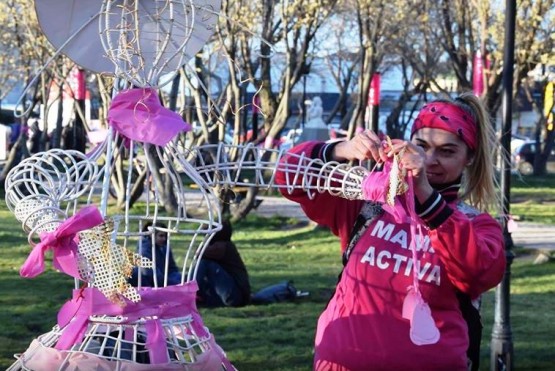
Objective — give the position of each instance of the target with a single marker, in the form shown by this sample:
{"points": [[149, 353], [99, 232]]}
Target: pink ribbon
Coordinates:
{"points": [[423, 329], [62, 243], [138, 115], [374, 188], [156, 304]]}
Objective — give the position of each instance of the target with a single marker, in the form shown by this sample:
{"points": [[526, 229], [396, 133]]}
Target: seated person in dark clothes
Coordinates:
{"points": [[161, 249], [222, 276]]}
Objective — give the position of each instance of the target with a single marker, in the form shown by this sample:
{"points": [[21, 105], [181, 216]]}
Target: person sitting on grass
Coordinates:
{"points": [[159, 255], [222, 276]]}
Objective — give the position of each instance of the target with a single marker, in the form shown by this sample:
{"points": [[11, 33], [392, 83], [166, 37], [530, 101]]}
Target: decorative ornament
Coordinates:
{"points": [[108, 266], [397, 182]]}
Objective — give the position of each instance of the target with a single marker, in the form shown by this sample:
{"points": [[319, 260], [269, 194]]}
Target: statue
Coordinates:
{"points": [[315, 128], [315, 114]]}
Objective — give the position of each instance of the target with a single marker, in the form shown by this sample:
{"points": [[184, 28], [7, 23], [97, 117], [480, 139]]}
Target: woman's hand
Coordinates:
{"points": [[414, 160], [366, 145]]}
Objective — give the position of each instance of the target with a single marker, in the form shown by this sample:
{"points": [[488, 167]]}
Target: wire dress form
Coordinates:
{"points": [[61, 198], [111, 322]]}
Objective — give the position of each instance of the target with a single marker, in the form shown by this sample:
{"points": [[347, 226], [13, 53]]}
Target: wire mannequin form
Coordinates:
{"points": [[46, 189], [55, 193]]}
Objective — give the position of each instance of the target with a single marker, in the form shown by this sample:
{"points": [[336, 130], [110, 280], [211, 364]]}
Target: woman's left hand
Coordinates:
{"points": [[414, 160]]}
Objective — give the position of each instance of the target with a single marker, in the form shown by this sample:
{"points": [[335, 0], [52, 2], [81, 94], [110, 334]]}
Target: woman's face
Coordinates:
{"points": [[446, 154], [161, 238]]}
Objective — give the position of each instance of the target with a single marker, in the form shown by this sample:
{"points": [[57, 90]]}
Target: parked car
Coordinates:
{"points": [[517, 141], [523, 158]]}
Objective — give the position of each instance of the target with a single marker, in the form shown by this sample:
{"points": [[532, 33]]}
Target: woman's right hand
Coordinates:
{"points": [[366, 145]]}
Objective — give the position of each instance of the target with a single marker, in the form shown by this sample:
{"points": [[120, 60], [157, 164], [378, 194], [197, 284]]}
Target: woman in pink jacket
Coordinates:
{"points": [[364, 327]]}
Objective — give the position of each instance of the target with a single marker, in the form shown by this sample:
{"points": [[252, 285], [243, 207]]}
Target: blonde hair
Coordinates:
{"points": [[480, 183]]}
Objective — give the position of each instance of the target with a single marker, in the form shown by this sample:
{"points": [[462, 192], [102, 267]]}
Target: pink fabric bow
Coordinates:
{"points": [[156, 304], [62, 242], [374, 188], [138, 115]]}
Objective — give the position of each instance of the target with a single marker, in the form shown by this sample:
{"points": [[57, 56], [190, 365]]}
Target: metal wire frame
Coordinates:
{"points": [[46, 189], [117, 345], [147, 39], [256, 166]]}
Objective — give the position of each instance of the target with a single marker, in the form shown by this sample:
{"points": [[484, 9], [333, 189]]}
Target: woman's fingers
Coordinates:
{"points": [[412, 156], [414, 159], [400, 145], [367, 145], [373, 144]]}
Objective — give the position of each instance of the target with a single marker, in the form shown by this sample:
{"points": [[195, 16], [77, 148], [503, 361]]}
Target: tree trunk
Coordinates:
{"points": [[245, 206], [18, 152], [163, 182], [56, 141]]}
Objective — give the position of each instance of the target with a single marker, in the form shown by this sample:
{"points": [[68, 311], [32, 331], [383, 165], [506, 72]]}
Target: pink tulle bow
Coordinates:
{"points": [[62, 243], [138, 115]]}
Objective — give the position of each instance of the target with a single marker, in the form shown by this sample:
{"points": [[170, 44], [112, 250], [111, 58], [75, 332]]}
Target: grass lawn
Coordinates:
{"points": [[533, 199], [280, 336]]}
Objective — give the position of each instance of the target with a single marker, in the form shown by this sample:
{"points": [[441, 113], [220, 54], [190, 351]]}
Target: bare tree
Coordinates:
{"points": [[272, 59], [25, 49], [469, 25]]}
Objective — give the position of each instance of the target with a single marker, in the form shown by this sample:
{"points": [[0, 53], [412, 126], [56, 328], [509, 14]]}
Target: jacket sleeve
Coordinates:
{"points": [[472, 251], [144, 247], [334, 212]]}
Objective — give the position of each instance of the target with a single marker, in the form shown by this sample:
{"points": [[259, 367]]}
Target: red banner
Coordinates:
{"points": [[478, 74], [374, 92], [76, 80]]}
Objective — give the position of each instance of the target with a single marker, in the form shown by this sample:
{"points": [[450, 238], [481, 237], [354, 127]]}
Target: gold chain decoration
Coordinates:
{"points": [[106, 265], [397, 182]]}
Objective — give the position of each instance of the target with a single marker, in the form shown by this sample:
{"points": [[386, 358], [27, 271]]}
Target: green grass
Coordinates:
{"points": [[533, 198], [280, 336]]}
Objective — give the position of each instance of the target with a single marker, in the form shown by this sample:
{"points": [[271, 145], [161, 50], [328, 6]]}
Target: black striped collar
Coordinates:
{"points": [[449, 191]]}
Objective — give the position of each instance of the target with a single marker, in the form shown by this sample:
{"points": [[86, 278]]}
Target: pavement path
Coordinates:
{"points": [[527, 235]]}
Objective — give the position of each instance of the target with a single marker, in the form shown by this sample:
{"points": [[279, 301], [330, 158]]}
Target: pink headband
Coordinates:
{"points": [[448, 117]]}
